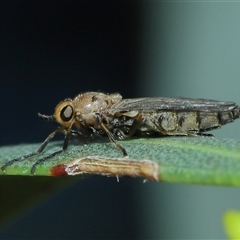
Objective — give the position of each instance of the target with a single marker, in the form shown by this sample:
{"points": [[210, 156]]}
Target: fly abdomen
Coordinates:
{"points": [[208, 121], [187, 122], [226, 117], [205, 121]]}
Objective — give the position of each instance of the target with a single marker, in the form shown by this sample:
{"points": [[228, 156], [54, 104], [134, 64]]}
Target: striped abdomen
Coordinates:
{"points": [[184, 122]]}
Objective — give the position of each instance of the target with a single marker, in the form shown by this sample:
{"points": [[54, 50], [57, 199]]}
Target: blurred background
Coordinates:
{"points": [[51, 50]]}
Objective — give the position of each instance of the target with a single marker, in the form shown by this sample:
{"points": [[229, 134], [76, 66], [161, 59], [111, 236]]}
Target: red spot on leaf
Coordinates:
{"points": [[58, 170]]}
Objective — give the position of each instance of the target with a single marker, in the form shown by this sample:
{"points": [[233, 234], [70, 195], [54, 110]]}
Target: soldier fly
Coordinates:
{"points": [[96, 113]]}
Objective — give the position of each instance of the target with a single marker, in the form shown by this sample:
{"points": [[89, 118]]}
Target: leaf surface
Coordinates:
{"points": [[201, 160]]}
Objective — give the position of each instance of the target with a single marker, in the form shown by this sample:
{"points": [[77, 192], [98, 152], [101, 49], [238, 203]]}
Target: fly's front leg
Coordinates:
{"points": [[40, 149], [64, 147], [33, 168], [68, 134], [82, 134]]}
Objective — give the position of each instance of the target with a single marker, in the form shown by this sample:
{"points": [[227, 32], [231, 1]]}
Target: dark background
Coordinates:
{"points": [[57, 49], [51, 50]]}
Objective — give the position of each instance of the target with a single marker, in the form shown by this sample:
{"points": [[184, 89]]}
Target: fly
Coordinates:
{"points": [[96, 113]]}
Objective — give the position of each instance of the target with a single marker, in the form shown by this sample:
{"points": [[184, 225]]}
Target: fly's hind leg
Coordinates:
{"points": [[136, 123], [194, 134], [205, 134], [112, 139], [125, 132], [110, 135]]}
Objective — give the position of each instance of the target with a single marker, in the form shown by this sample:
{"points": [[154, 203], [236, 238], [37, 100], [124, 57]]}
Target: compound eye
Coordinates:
{"points": [[66, 113]]}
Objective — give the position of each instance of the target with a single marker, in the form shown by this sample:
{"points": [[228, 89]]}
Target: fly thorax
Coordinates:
{"points": [[95, 101]]}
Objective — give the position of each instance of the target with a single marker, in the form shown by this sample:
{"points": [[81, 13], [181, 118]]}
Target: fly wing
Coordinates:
{"points": [[176, 104]]}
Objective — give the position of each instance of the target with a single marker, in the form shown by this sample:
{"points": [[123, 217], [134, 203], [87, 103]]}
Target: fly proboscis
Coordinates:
{"points": [[96, 113]]}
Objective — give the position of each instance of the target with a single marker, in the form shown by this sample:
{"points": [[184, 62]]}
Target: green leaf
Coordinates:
{"points": [[201, 160], [231, 220]]}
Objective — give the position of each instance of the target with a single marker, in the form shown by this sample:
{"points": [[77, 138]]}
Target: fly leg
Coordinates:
{"points": [[68, 134], [204, 134], [136, 123], [82, 134], [195, 134], [110, 136], [40, 149], [33, 168], [64, 147]]}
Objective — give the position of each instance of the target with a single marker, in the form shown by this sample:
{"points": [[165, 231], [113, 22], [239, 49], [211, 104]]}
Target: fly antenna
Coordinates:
{"points": [[46, 117]]}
